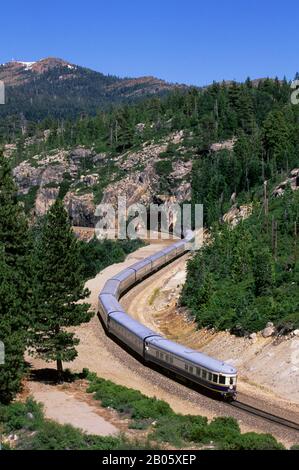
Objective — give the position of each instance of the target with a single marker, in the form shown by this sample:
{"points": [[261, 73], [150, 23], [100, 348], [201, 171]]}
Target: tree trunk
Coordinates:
{"points": [[60, 370]]}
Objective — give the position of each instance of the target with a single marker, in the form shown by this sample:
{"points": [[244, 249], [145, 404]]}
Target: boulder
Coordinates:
{"points": [[268, 331], [237, 213], [253, 337], [292, 181], [80, 153]]}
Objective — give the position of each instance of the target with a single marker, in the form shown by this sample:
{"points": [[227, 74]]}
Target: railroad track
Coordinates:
{"points": [[265, 415]]}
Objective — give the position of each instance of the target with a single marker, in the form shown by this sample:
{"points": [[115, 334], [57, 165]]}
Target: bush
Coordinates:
{"points": [[19, 415], [178, 429], [150, 408], [163, 167], [250, 441], [223, 427], [126, 400], [54, 436]]}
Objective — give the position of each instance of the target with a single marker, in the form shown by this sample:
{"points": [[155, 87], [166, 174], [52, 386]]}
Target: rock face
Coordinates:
{"points": [[141, 185], [292, 180], [136, 187], [237, 213], [43, 171], [81, 209], [76, 175], [45, 198], [226, 145]]}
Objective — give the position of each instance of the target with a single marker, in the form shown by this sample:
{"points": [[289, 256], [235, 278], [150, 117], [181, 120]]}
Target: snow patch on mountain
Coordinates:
{"points": [[27, 65]]}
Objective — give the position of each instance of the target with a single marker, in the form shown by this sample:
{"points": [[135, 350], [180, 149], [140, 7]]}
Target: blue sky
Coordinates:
{"points": [[187, 41]]}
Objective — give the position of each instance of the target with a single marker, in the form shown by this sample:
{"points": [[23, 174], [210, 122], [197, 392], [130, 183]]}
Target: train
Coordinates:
{"points": [[185, 363]]}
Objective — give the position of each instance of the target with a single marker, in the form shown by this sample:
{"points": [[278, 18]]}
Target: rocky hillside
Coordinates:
{"points": [[84, 178], [56, 88]]}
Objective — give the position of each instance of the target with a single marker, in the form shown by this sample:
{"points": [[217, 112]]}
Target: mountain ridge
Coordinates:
{"points": [[57, 88]]}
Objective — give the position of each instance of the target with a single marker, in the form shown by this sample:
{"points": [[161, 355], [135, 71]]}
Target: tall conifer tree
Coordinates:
{"points": [[59, 286], [14, 284]]}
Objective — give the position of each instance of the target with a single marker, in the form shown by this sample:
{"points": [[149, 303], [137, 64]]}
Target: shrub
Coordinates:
{"points": [[19, 415], [150, 408], [126, 400], [177, 429], [54, 436], [222, 427], [250, 441], [163, 167]]}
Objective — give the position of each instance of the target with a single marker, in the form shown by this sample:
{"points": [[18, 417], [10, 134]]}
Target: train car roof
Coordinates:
{"points": [[169, 249], [110, 304], [157, 255], [197, 358], [179, 243], [140, 264], [111, 287], [133, 326], [124, 274]]}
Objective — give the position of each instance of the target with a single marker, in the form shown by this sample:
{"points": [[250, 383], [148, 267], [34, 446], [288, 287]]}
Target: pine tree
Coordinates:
{"points": [[263, 272], [11, 335], [15, 296], [59, 286], [277, 139], [13, 224]]}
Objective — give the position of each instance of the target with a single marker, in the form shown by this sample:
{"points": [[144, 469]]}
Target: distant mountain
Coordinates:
{"points": [[55, 88]]}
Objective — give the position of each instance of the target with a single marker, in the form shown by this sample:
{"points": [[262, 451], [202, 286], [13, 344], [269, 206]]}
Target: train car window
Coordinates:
{"points": [[231, 380], [186, 366], [204, 374], [221, 379], [197, 371], [210, 376], [215, 378], [157, 354], [191, 369]]}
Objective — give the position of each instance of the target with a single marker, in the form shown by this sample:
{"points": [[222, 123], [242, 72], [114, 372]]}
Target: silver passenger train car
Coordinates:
{"points": [[198, 368]]}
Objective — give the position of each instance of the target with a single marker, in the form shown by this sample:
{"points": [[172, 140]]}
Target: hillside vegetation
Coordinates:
{"points": [[249, 275], [160, 424]]}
